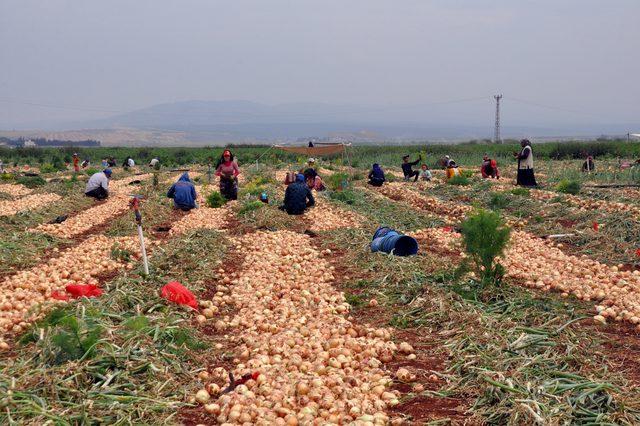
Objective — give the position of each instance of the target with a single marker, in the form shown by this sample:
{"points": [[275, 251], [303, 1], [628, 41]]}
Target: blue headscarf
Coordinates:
{"points": [[184, 177], [300, 178]]}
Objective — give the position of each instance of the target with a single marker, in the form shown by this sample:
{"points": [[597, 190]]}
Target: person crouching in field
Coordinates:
{"points": [[526, 177], [228, 171], [588, 166], [376, 175], [452, 170], [314, 181], [425, 173], [98, 185], [489, 168], [183, 193], [407, 169], [297, 197]]}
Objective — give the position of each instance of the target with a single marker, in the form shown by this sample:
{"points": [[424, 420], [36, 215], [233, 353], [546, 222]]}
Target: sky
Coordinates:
{"points": [[556, 61]]}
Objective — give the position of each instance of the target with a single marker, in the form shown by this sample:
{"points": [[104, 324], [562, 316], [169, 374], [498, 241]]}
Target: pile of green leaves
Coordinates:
{"points": [[215, 200]]}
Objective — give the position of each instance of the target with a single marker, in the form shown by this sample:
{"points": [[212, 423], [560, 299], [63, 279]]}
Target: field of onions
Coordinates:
{"points": [[313, 330], [590, 204], [15, 190], [28, 202]]}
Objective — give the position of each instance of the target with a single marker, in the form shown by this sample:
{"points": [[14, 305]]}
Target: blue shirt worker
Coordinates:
{"points": [[297, 197], [183, 193]]}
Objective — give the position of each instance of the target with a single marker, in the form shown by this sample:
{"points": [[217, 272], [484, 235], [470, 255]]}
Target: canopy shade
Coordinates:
{"points": [[317, 150]]}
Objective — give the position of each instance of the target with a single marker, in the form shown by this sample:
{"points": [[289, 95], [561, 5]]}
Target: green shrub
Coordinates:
{"points": [[6, 176], [91, 171], [498, 201], [347, 197], [47, 168], [215, 200], [567, 186], [523, 192], [31, 181], [485, 238], [250, 206], [459, 180], [357, 176], [338, 181]]}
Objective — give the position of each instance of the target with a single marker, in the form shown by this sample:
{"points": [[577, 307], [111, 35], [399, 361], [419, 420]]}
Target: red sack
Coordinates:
{"points": [[58, 295], [177, 293], [80, 290]]}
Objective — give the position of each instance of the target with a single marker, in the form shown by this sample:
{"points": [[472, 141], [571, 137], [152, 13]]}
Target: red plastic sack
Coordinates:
{"points": [[83, 290], [177, 293], [58, 295]]}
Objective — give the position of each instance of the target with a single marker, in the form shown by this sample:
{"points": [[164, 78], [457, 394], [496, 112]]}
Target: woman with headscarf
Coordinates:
{"points": [[228, 171], [588, 166], [489, 168], [183, 193], [526, 177], [376, 175]]}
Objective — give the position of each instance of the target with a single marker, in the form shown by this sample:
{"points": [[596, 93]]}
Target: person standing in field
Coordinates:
{"points": [[376, 175], [588, 166], [76, 163], [407, 169], [98, 185], [526, 177], [228, 171]]}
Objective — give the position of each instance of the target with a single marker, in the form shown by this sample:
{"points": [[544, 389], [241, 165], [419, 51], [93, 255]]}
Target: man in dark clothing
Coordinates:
{"points": [[297, 197], [588, 166], [183, 193], [407, 168]]}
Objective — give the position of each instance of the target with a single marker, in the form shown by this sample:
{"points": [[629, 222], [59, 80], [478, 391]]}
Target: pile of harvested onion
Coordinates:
{"points": [[203, 218], [15, 190], [324, 216], [399, 191], [30, 202], [23, 291], [312, 364], [584, 204]]}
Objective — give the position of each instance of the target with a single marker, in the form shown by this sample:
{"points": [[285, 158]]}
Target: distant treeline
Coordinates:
{"points": [[359, 155], [42, 142]]}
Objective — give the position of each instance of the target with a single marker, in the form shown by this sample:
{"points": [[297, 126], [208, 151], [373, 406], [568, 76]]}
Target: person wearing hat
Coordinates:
{"points": [[98, 185], [228, 171], [407, 168], [297, 197], [311, 163]]}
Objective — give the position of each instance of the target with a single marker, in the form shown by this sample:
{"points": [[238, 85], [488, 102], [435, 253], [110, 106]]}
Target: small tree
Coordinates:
{"points": [[485, 238]]}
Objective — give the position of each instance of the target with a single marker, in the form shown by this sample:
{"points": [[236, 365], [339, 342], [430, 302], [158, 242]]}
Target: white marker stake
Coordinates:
{"points": [[144, 251]]}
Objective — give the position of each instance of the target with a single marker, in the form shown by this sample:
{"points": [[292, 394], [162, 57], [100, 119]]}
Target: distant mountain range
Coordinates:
{"points": [[219, 122]]}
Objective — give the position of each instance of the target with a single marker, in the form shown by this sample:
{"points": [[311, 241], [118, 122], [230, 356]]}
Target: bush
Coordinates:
{"points": [[31, 181], [485, 238], [523, 192], [250, 206], [567, 186], [498, 201], [6, 176], [215, 200], [347, 197], [337, 181], [459, 180], [47, 168]]}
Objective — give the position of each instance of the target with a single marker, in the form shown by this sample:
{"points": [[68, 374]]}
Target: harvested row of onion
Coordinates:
{"points": [[543, 265], [30, 202], [311, 365], [203, 218], [398, 191], [584, 204], [26, 295], [324, 217], [174, 179], [15, 190]]}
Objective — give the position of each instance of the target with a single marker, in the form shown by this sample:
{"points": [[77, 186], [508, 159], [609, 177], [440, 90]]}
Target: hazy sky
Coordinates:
{"points": [[577, 55]]}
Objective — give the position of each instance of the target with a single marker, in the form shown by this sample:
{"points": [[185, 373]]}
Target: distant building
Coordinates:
{"points": [[29, 144]]}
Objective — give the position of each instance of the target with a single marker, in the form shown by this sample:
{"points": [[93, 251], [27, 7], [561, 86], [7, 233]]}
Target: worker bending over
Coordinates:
{"points": [[376, 175], [98, 185], [489, 168], [183, 193], [297, 197]]}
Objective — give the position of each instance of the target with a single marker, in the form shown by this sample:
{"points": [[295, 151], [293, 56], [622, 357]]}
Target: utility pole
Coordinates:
{"points": [[496, 137]]}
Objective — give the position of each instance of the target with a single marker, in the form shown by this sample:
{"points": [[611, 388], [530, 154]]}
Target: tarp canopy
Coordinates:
{"points": [[316, 150]]}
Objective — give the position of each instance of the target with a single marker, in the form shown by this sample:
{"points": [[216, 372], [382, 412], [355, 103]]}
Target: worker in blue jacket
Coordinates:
{"points": [[183, 193], [297, 197]]}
